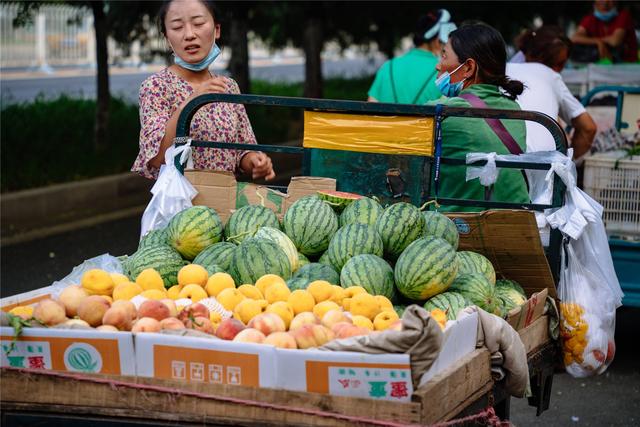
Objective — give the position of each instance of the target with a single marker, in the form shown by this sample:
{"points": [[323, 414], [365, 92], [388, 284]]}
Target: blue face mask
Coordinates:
{"points": [[445, 86], [202, 65], [606, 16]]}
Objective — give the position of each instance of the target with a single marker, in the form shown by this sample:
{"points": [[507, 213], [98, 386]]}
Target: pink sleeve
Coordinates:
{"points": [[244, 130]]}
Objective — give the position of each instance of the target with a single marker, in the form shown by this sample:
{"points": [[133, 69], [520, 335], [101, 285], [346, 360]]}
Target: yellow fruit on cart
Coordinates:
{"points": [[218, 282], [346, 304], [149, 278], [174, 292], [321, 308], [384, 302], [193, 274], [440, 316], [277, 292], [384, 319], [321, 290], [250, 291], [351, 291], [126, 291], [267, 280], [154, 294], [118, 278], [300, 301], [215, 317], [247, 309], [229, 298], [362, 321], [97, 282], [283, 310], [23, 311], [194, 292], [364, 305], [108, 298], [338, 294]]}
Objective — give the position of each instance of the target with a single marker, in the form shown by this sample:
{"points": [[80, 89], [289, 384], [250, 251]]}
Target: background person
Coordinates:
{"points": [[609, 31], [191, 30], [471, 72], [409, 79], [546, 51]]}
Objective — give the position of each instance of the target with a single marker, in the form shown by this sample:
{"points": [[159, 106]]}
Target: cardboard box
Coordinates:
{"points": [[25, 298], [460, 338], [205, 360], [340, 373], [72, 350], [221, 191]]}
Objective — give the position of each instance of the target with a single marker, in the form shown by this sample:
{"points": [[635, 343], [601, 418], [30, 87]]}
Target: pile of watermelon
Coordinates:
{"points": [[397, 251]]}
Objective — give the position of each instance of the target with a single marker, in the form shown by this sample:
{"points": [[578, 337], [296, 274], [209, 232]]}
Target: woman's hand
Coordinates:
{"points": [[215, 84], [258, 165]]}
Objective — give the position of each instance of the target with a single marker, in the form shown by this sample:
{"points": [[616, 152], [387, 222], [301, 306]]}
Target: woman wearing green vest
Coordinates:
{"points": [[471, 73], [410, 78]]}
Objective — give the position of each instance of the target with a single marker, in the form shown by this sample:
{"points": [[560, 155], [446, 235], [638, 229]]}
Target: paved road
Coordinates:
{"points": [[126, 85], [612, 399]]}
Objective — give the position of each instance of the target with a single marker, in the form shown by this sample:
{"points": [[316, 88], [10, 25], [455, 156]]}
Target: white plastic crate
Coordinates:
{"points": [[614, 181]]}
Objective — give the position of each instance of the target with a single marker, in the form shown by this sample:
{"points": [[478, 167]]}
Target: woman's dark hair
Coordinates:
{"points": [[486, 46], [544, 44], [164, 8], [424, 24]]}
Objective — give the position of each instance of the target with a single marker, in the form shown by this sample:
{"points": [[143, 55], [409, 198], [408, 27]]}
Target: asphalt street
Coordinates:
{"points": [[612, 399]]}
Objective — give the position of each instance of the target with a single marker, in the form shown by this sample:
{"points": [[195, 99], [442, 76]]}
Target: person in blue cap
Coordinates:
{"points": [[410, 78]]}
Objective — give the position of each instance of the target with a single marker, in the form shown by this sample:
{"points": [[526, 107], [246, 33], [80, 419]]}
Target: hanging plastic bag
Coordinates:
{"points": [[172, 192], [587, 318], [105, 262]]}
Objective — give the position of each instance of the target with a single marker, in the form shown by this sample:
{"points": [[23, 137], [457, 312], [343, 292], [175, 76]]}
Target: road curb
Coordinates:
{"points": [[31, 214]]}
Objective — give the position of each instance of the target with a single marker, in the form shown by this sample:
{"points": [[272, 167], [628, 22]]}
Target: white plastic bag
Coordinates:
{"points": [[172, 192], [105, 262]]}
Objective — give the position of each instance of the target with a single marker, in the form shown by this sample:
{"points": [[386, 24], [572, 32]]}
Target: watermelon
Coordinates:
{"points": [[338, 200], [282, 240], [310, 223], [511, 284], [426, 267], [302, 260], [296, 283], [476, 288], [316, 271], [472, 262], [351, 240], [511, 294], [254, 258], [450, 302], [219, 254], [398, 226], [164, 259], [324, 259], [399, 309], [154, 238], [371, 272], [246, 221], [438, 225], [362, 211], [193, 229]]}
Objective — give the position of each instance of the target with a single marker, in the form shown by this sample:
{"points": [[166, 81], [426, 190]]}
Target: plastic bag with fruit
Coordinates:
{"points": [[172, 192]]}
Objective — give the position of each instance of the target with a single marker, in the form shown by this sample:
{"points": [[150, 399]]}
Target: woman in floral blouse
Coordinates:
{"points": [[191, 30]]}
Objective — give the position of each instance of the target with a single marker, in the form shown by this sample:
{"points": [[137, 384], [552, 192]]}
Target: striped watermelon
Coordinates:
{"points": [[473, 262], [371, 272], [338, 200], [426, 268], [450, 302], [398, 226], [282, 240], [193, 229], [154, 238], [296, 283], [254, 258], [511, 284], [511, 294], [310, 223], [219, 254], [316, 271], [302, 260], [351, 240], [438, 225], [324, 259], [362, 211], [164, 259], [246, 221], [479, 291]]}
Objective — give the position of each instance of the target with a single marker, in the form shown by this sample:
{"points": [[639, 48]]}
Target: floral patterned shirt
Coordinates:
{"points": [[160, 95]]}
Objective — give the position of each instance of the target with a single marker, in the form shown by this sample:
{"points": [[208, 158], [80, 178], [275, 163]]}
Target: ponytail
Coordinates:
{"points": [[512, 87]]}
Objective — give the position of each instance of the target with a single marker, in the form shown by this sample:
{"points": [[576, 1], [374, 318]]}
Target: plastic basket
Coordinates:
{"points": [[614, 181]]}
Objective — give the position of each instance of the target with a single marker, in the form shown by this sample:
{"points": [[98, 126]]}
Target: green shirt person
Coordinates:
{"points": [[472, 66], [410, 78]]}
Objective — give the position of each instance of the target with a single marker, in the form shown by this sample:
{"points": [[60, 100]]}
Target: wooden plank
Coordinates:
{"points": [[463, 382], [127, 401], [536, 334]]}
